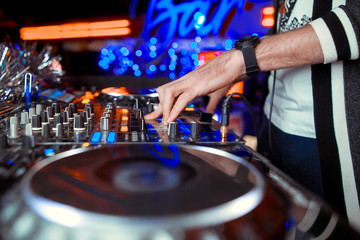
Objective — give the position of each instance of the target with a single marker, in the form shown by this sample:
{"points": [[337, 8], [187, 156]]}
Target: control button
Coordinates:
{"points": [[14, 128], [174, 131], [206, 117], [194, 130], [57, 119], [73, 108], [50, 112], [39, 109], [24, 118], [56, 108], [65, 117], [105, 123], [28, 142], [36, 123], [111, 137], [28, 129], [32, 112], [59, 130], [96, 137], [3, 142], [44, 116], [78, 123], [45, 130]]}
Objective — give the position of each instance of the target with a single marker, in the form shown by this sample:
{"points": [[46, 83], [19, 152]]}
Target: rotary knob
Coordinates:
{"points": [[174, 131]]}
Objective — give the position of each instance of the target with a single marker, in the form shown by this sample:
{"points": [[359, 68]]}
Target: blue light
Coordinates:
{"points": [[162, 67], [49, 151], [153, 40], [174, 58], [121, 71], [183, 60], [135, 67], [228, 44], [194, 56], [96, 137], [124, 51], [148, 71], [198, 39], [171, 51], [193, 45], [112, 57], [172, 67], [152, 48], [137, 73], [183, 51], [255, 34], [111, 138], [152, 68], [152, 54], [196, 62], [172, 75], [138, 53], [104, 51], [175, 45]]}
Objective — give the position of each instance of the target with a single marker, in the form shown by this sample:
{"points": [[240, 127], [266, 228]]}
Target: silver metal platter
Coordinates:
{"points": [[132, 191]]}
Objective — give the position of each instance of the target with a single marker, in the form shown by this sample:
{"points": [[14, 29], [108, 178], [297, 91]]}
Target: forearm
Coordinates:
{"points": [[295, 48]]}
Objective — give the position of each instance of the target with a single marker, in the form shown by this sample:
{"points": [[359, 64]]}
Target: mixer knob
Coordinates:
{"points": [[84, 115], [174, 131], [73, 108], [44, 117], [105, 123], [91, 106], [50, 112], [56, 108], [36, 122], [88, 111], [194, 130], [57, 119], [39, 108], [3, 142], [28, 142], [28, 129], [45, 130], [59, 130], [14, 128], [70, 112], [24, 118], [32, 112], [65, 117], [79, 123]]}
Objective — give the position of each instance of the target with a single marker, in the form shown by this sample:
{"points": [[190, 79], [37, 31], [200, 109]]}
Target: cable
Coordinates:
{"points": [[225, 115]]}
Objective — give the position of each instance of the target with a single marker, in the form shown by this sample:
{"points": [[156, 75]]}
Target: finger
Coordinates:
{"points": [[179, 106], [167, 103], [213, 102], [155, 114]]}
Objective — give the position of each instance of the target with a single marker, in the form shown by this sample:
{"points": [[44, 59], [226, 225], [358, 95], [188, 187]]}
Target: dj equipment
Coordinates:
{"points": [[89, 166]]}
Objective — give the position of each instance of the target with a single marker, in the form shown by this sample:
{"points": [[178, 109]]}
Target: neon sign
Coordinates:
{"points": [[200, 16]]}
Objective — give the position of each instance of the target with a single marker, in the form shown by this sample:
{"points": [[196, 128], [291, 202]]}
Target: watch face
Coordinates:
{"points": [[247, 42]]}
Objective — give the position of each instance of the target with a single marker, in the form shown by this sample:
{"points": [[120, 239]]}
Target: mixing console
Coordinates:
{"points": [[47, 127]]}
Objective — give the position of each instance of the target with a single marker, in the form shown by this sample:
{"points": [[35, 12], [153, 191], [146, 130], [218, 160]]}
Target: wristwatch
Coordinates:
{"points": [[247, 46]]}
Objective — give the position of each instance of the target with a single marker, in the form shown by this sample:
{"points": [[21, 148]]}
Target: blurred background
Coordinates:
{"points": [[137, 43]]}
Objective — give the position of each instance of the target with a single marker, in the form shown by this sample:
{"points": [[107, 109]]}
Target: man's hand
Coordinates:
{"points": [[214, 75]]}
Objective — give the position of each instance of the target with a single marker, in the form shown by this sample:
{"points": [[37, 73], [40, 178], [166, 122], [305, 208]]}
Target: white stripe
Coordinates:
{"points": [[329, 228], [312, 212], [350, 33], [326, 40], [342, 139], [337, 3]]}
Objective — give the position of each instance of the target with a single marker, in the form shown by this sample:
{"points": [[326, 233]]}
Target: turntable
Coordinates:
{"points": [[143, 191]]}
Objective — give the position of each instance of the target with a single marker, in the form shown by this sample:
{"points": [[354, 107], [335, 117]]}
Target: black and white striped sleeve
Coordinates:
{"points": [[338, 34]]}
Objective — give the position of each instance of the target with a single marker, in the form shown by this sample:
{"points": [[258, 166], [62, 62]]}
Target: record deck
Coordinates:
{"points": [[141, 190]]}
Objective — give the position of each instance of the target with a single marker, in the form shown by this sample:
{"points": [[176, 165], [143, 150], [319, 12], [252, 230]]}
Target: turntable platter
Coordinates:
{"points": [[135, 189]]}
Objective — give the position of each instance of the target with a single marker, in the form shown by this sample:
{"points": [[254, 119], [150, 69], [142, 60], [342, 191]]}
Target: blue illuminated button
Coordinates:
{"points": [[111, 138], [49, 152], [96, 137]]}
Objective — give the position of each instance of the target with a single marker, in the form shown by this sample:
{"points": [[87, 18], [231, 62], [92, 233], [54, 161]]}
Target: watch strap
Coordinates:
{"points": [[252, 69]]}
